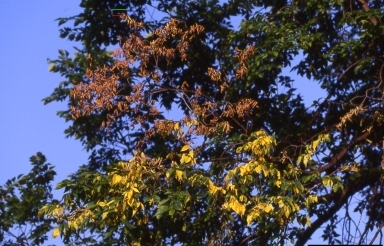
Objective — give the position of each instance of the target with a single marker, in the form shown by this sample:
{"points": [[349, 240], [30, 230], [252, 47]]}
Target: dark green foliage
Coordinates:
{"points": [[21, 199]]}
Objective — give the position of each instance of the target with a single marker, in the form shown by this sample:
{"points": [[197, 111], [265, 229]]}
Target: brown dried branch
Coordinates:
{"points": [[139, 58]]}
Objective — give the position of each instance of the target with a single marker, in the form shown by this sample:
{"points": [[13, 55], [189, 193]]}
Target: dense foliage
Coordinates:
{"points": [[241, 159], [21, 198]]}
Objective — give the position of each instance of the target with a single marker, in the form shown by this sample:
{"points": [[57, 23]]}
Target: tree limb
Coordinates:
{"points": [[338, 199], [366, 8], [341, 154]]}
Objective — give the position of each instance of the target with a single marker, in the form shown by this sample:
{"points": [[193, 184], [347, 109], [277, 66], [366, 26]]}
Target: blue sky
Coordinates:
{"points": [[29, 35]]}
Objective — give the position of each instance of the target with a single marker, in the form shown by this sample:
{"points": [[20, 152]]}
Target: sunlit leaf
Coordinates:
{"points": [[55, 232], [179, 175], [116, 179], [268, 208], [185, 148]]}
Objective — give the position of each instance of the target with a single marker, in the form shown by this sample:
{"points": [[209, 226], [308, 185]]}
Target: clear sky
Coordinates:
{"points": [[29, 35]]}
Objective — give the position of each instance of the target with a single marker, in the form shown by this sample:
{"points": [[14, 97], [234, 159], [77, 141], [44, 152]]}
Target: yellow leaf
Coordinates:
{"points": [[231, 187], [212, 188], [268, 208], [185, 159], [255, 214], [151, 201], [102, 204], [145, 220], [170, 156], [124, 205], [180, 133], [312, 199], [308, 222], [354, 169], [134, 189], [58, 211], [176, 126], [286, 212], [128, 197], [191, 154], [278, 183], [116, 179], [185, 148], [51, 66], [278, 175], [242, 170], [226, 179], [327, 182], [243, 198], [42, 210], [55, 232], [104, 215], [258, 168], [237, 206], [299, 159], [249, 219], [142, 155], [315, 144], [239, 149], [265, 171], [75, 225], [296, 190], [179, 175]]}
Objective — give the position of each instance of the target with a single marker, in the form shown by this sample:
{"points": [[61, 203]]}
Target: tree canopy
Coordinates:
{"points": [[21, 198], [243, 160]]}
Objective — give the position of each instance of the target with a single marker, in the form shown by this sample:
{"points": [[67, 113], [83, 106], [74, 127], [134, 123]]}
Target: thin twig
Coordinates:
{"points": [[377, 233]]}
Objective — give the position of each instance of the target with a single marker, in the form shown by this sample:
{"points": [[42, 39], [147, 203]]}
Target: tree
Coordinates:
{"points": [[21, 199], [267, 157]]}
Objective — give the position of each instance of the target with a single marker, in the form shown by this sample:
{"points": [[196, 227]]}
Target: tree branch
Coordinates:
{"points": [[338, 199], [366, 8], [341, 154]]}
